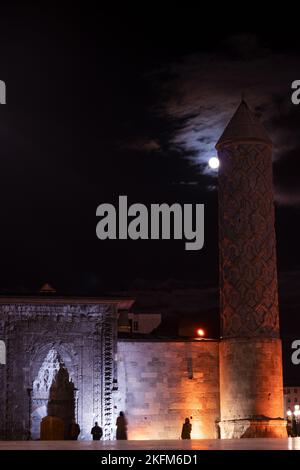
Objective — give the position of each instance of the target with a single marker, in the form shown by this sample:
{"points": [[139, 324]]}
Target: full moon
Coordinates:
{"points": [[213, 162]]}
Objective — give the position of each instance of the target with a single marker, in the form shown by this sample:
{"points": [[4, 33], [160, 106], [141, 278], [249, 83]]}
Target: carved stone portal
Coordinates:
{"points": [[60, 362], [52, 394]]}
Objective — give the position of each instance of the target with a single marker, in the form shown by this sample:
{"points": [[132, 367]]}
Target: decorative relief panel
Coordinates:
{"points": [[248, 274], [32, 332]]}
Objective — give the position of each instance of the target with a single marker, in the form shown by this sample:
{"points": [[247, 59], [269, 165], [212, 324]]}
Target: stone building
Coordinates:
{"points": [[64, 358], [70, 358], [251, 383], [291, 397]]}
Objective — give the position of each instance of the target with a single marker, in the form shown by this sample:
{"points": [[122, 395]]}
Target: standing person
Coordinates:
{"points": [[294, 427], [96, 432], [289, 426], [121, 427], [74, 430], [186, 429]]}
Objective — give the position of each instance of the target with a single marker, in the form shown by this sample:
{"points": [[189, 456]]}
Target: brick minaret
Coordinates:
{"points": [[251, 386]]}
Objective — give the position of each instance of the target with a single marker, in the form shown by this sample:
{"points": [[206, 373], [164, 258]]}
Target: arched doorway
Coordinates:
{"points": [[52, 393]]}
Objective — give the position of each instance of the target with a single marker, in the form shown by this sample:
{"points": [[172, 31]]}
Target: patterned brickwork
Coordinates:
{"points": [[248, 275], [251, 390]]}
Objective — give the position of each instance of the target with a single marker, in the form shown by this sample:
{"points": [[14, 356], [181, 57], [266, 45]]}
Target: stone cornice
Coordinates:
{"points": [[20, 311], [122, 304]]}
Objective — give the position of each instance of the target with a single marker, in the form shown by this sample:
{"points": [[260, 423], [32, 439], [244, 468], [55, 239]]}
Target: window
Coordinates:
{"points": [[135, 326]]}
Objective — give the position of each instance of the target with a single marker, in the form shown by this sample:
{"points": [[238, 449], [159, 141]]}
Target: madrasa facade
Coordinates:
{"points": [[74, 358]]}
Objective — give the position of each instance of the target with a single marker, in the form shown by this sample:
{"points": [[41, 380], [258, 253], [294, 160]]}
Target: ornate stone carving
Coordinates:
{"points": [[251, 395], [40, 338], [248, 275], [108, 372], [97, 371], [73, 311], [47, 374]]}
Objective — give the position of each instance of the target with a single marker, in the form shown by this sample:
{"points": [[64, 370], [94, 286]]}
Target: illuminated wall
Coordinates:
{"points": [[163, 382], [41, 334], [156, 383]]}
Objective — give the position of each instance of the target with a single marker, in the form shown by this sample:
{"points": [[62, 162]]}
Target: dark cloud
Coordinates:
{"points": [[99, 107], [202, 91]]}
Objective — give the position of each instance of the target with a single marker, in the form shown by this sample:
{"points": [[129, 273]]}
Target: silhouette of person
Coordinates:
{"points": [[74, 430], [121, 427], [294, 427], [186, 429], [96, 432], [289, 426]]}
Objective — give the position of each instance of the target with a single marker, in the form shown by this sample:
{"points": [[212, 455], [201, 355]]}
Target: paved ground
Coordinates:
{"points": [[203, 444]]}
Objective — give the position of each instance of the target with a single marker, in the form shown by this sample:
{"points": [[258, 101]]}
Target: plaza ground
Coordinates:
{"points": [[194, 444]]}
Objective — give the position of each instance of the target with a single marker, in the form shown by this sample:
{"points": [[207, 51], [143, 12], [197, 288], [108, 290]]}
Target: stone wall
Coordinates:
{"points": [[36, 334], [157, 383], [163, 382], [259, 395], [2, 386]]}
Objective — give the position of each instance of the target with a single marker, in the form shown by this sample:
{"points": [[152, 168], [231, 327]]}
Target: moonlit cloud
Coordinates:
{"points": [[203, 90]]}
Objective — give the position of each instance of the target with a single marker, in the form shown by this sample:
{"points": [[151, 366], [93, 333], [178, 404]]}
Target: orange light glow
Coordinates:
{"points": [[200, 332]]}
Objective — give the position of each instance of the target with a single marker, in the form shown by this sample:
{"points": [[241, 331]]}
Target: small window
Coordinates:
{"points": [[296, 400], [288, 391], [295, 390], [289, 400], [135, 326]]}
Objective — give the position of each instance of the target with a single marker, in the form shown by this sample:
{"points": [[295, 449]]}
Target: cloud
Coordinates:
{"points": [[202, 91], [142, 145]]}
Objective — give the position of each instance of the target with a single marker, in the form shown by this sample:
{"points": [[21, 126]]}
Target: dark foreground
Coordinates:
{"points": [[197, 444]]}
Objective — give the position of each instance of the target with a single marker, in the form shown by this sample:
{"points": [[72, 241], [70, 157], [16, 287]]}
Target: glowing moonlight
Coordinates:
{"points": [[214, 163]]}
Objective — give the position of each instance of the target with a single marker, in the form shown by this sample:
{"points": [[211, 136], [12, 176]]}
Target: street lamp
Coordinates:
{"points": [[200, 332]]}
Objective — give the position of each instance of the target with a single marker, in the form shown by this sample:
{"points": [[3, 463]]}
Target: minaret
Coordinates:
{"points": [[251, 387]]}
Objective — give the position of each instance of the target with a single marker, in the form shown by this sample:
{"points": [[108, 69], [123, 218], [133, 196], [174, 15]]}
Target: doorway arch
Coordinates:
{"points": [[52, 393]]}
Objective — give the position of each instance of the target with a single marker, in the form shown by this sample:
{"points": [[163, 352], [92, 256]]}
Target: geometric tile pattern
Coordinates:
{"points": [[247, 247]]}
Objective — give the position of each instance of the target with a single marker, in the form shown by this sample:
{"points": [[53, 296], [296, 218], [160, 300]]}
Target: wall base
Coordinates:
{"points": [[247, 428]]}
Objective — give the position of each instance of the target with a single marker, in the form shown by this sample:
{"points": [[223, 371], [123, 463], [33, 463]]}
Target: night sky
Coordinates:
{"points": [[103, 105]]}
